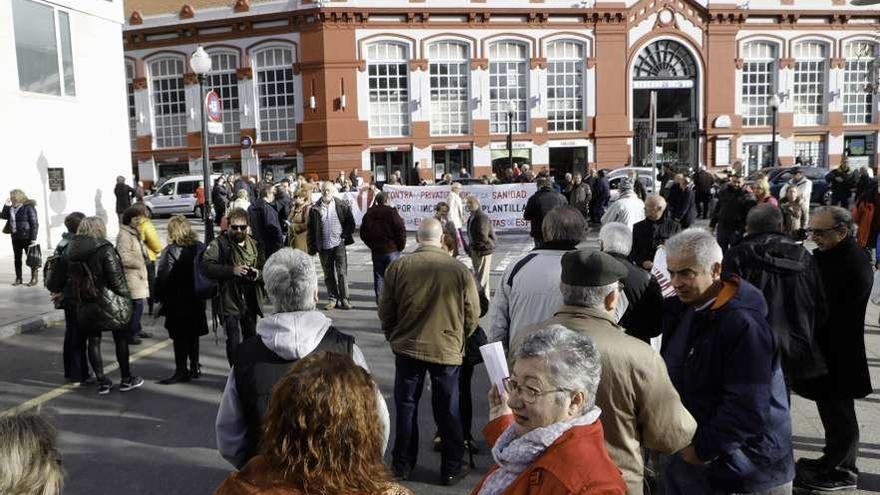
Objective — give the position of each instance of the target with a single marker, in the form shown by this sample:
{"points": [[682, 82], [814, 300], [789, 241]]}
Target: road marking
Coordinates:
{"points": [[52, 394]]}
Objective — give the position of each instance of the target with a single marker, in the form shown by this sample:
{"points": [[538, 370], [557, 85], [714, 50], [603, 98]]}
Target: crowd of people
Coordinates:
{"points": [[613, 387]]}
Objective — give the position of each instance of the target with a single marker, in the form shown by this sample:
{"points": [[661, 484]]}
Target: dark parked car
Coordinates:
{"points": [[778, 176]]}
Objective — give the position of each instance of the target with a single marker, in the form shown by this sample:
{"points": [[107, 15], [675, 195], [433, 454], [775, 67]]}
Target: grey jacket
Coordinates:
{"points": [[291, 336]]}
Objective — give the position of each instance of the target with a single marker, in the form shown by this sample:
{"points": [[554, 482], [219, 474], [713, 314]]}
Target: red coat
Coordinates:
{"points": [[576, 463]]}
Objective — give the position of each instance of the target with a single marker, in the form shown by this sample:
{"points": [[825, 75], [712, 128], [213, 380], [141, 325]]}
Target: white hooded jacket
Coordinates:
{"points": [[291, 336], [628, 210]]}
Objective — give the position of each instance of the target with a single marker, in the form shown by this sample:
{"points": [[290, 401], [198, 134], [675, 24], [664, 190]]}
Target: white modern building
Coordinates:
{"points": [[64, 125]]}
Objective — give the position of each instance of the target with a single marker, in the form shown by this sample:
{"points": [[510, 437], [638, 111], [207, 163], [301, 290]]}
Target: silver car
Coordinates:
{"points": [[646, 174], [176, 196]]}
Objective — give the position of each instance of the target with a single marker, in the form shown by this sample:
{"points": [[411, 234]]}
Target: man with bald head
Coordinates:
{"points": [[652, 232], [428, 307]]}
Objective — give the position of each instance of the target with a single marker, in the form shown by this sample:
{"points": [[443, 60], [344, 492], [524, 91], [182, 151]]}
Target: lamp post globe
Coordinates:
{"points": [[775, 102], [200, 61]]}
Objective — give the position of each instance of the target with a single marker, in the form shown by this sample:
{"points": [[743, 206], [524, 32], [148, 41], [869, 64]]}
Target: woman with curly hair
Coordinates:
{"points": [[320, 435]]}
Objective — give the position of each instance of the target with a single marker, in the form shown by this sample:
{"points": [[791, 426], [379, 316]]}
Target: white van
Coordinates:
{"points": [[177, 195]]}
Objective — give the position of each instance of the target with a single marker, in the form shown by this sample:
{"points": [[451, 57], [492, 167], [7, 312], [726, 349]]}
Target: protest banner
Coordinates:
{"points": [[504, 203]]}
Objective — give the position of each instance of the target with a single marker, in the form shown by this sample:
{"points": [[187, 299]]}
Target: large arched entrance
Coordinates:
{"points": [[665, 71]]}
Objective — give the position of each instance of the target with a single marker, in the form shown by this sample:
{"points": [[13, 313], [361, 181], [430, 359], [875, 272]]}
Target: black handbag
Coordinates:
{"points": [[34, 257], [472, 355]]}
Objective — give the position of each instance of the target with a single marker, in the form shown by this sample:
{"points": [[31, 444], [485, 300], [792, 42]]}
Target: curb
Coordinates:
{"points": [[32, 324]]}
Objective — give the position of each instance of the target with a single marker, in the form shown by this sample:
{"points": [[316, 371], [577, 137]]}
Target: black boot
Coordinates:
{"points": [[17, 281], [195, 371], [177, 377]]}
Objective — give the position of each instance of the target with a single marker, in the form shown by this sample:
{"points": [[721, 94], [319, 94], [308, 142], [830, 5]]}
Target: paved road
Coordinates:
{"points": [[160, 439]]}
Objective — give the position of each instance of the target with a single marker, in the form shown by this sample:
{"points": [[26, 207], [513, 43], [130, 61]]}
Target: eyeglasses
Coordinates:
{"points": [[822, 232], [529, 395], [240, 228]]}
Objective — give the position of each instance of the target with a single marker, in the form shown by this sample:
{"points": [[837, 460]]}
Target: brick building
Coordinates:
{"points": [[433, 86]]}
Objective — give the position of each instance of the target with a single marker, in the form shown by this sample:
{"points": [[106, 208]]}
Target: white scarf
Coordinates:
{"points": [[515, 454]]}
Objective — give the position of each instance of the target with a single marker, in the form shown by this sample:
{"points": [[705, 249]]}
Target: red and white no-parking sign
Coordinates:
{"points": [[214, 110]]}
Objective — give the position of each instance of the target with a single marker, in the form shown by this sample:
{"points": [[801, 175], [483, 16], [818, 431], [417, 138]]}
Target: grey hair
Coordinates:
{"points": [[29, 460], [656, 199], [764, 218], [291, 281], [93, 227], [699, 243], [572, 359], [564, 223], [430, 230], [616, 238], [586, 297], [841, 216], [328, 184]]}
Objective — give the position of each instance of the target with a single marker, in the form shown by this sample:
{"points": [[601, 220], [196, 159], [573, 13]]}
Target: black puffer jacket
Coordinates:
{"points": [[26, 224], [789, 278], [112, 309], [648, 235]]}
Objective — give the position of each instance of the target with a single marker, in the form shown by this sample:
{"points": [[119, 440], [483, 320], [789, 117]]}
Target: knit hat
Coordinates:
{"points": [[625, 185]]}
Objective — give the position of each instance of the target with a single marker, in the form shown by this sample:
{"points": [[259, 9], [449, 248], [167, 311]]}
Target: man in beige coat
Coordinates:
{"points": [[428, 307], [640, 406]]}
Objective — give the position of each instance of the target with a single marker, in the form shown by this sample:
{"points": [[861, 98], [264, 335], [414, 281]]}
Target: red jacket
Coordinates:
{"points": [[576, 463]]}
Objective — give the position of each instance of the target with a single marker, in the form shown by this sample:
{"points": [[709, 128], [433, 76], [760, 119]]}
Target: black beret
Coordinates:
{"points": [[591, 268]]}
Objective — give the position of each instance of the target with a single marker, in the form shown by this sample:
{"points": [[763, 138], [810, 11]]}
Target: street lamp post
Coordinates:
{"points": [[200, 62], [774, 109], [511, 107]]}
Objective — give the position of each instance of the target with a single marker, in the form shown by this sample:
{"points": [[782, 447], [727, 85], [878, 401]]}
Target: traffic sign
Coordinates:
{"points": [[214, 111]]}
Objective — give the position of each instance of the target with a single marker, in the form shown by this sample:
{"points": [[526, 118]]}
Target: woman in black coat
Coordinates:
{"points": [[21, 216], [175, 289]]}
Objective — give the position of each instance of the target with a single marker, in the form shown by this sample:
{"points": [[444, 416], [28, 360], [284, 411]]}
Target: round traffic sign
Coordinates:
{"points": [[214, 107]]}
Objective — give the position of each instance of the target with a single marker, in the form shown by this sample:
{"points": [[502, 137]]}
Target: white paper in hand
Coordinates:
{"points": [[496, 364]]}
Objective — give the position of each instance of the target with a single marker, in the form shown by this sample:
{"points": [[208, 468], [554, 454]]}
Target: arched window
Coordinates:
{"points": [[169, 102], [388, 74], [275, 94], [224, 82], [758, 81], [858, 82], [449, 87], [809, 82], [665, 59], [508, 86], [565, 83], [132, 112]]}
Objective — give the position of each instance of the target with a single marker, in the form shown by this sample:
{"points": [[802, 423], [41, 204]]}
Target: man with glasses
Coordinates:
{"points": [[846, 277], [640, 407], [234, 260], [724, 361]]}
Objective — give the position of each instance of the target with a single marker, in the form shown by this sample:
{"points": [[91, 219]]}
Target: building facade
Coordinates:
{"points": [[430, 87], [63, 106]]}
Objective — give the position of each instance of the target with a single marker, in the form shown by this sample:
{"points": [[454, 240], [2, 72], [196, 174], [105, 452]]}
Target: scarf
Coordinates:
{"points": [[245, 255], [515, 454], [14, 212]]}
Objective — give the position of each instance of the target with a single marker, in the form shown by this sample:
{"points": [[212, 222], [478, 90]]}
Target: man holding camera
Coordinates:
{"points": [[234, 260]]}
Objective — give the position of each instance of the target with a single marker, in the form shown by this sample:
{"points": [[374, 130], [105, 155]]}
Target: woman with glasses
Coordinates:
{"points": [[545, 428]]}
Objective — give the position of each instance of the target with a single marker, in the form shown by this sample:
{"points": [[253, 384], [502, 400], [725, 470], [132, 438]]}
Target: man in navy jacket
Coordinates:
{"points": [[725, 363]]}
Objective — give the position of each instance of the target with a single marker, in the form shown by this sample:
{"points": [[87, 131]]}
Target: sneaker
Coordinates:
{"points": [[344, 304], [330, 305], [830, 481], [104, 387], [131, 383]]}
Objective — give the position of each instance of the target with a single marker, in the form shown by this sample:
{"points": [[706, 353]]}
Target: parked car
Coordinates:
{"points": [[779, 176], [176, 195], [646, 175]]}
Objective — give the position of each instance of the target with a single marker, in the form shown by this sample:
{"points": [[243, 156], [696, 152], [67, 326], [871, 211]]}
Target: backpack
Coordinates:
{"points": [[203, 287], [83, 282]]}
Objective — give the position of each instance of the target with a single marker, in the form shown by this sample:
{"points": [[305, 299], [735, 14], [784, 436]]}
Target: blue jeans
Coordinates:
{"points": [[409, 379], [137, 312], [380, 264], [686, 479]]}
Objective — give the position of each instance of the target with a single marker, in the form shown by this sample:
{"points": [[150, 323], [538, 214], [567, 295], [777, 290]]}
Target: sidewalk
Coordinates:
{"points": [[24, 309]]}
